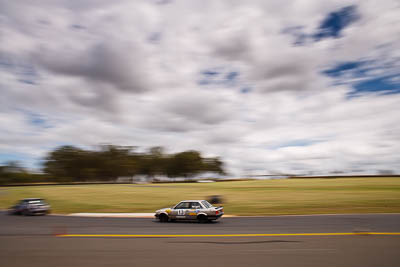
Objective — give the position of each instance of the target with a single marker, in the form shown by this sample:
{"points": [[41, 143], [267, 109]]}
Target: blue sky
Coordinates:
{"points": [[334, 23], [269, 86], [358, 75]]}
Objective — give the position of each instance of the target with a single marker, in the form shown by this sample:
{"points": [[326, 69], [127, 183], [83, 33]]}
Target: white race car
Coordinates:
{"points": [[199, 210]]}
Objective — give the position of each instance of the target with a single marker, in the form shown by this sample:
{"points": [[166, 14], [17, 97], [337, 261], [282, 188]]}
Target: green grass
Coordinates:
{"points": [[267, 197]]}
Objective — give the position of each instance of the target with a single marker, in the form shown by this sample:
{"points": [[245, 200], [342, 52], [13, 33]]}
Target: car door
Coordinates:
{"points": [[180, 211], [195, 208]]}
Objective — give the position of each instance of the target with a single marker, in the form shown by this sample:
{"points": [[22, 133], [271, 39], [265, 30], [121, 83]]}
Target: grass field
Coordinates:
{"points": [[266, 197]]}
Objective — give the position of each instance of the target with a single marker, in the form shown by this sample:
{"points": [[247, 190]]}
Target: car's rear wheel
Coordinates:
{"points": [[26, 213], [163, 218], [202, 218]]}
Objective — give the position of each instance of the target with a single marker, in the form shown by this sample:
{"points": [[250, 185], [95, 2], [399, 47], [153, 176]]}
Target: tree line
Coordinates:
{"points": [[109, 162]]}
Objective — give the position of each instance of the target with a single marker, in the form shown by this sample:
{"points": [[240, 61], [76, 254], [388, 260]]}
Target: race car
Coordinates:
{"points": [[199, 210], [30, 206]]}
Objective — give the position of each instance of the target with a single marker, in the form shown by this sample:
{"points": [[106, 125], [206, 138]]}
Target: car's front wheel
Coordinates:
{"points": [[163, 218], [11, 212]]}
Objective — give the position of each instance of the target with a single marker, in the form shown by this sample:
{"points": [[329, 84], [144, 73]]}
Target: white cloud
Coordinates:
{"points": [[128, 73]]}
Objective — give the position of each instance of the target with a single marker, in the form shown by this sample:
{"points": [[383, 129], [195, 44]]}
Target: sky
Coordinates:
{"points": [[271, 87]]}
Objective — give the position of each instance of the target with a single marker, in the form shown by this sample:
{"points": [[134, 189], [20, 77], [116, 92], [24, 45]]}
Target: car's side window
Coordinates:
{"points": [[183, 205], [195, 205]]}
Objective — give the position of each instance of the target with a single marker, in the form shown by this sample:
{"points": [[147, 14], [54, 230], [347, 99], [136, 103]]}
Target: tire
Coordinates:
{"points": [[163, 218], [25, 213], [11, 212], [202, 218]]}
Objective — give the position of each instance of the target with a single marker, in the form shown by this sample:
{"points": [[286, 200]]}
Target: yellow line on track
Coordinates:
{"points": [[232, 235]]}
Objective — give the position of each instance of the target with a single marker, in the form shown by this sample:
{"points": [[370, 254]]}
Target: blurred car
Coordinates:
{"points": [[30, 206], [200, 210]]}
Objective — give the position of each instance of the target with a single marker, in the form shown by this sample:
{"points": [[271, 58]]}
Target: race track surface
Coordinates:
{"points": [[36, 241]]}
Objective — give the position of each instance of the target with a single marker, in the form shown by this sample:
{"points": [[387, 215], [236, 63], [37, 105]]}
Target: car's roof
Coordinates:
{"points": [[193, 200], [30, 199]]}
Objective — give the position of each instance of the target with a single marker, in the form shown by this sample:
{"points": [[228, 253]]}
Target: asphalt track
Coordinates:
{"points": [[49, 241]]}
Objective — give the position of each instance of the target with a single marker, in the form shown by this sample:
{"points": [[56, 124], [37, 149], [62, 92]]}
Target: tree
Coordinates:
{"points": [[68, 163], [185, 164], [64, 164], [12, 172], [214, 165]]}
